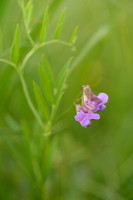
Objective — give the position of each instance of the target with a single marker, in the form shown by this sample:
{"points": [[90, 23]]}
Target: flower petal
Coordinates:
{"points": [[103, 97], [86, 122], [93, 116], [101, 108], [81, 116]]}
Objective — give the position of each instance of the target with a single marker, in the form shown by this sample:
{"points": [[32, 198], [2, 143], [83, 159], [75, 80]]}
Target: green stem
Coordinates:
{"points": [[7, 62], [28, 35], [36, 48], [29, 100]]}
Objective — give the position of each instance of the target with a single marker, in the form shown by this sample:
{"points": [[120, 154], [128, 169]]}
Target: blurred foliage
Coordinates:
{"points": [[94, 163]]}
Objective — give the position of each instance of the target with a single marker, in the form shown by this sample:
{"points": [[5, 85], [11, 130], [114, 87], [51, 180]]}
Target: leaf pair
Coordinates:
{"points": [[27, 10], [44, 26], [47, 84], [43, 31], [60, 83], [28, 13], [59, 29]]}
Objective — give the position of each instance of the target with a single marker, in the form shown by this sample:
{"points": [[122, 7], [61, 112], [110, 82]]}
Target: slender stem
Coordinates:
{"points": [[7, 62], [25, 92], [29, 100], [64, 43], [27, 57], [28, 35], [36, 48]]}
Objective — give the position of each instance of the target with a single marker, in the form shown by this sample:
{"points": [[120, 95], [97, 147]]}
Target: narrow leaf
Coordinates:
{"points": [[74, 36], [48, 71], [28, 12], [59, 25], [63, 72], [55, 107], [15, 46], [43, 31], [41, 102], [29, 16], [28, 6], [62, 79], [46, 85]]}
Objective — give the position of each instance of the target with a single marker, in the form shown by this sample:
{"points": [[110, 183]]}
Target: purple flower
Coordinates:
{"points": [[90, 104]]}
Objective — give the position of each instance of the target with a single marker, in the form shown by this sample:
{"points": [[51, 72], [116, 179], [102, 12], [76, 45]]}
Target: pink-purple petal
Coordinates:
{"points": [[80, 116], [94, 116], [103, 97], [86, 122]]}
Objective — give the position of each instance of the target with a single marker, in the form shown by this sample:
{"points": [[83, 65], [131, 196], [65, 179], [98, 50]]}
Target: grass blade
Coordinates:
{"points": [[43, 31], [41, 102], [59, 25], [46, 85]]}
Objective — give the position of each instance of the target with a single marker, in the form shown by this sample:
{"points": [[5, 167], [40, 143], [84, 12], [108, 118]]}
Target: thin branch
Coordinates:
{"points": [[29, 100], [36, 48], [28, 35], [7, 62]]}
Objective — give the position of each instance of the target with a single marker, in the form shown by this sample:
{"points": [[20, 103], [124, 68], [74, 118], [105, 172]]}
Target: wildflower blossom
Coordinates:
{"points": [[89, 106]]}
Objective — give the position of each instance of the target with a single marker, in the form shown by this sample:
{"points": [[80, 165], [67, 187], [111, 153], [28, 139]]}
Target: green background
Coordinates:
{"points": [[94, 163]]}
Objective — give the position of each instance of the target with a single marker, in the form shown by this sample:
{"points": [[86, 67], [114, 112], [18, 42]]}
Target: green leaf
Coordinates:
{"points": [[28, 12], [59, 25], [48, 71], [74, 36], [55, 107], [62, 79], [41, 102], [46, 85], [43, 31], [15, 46], [28, 5]]}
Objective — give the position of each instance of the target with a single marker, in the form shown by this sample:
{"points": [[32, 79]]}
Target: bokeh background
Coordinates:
{"points": [[94, 163]]}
